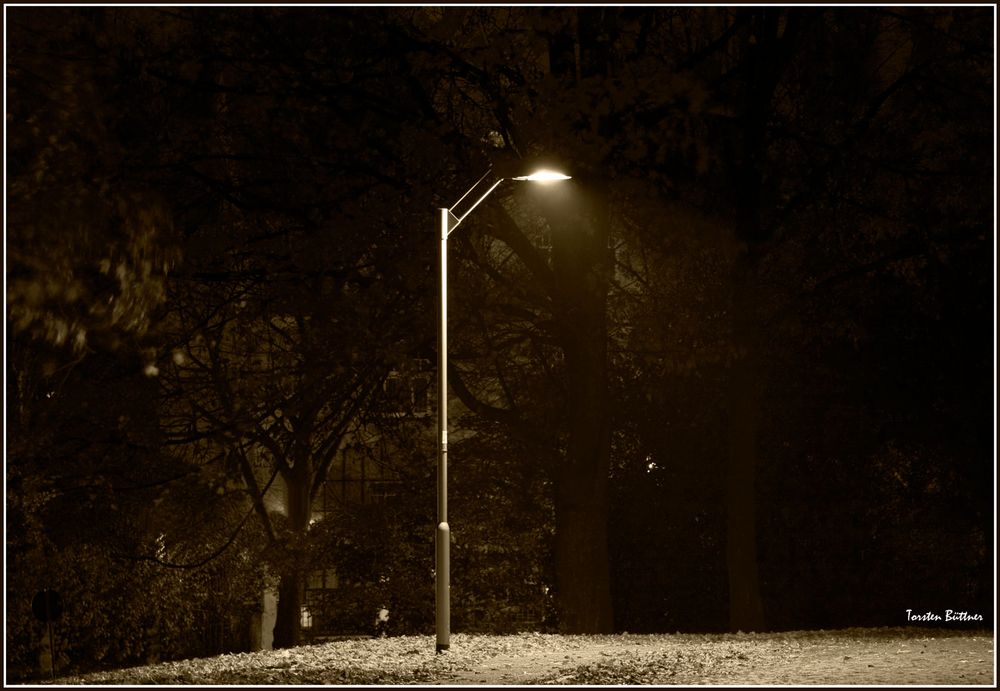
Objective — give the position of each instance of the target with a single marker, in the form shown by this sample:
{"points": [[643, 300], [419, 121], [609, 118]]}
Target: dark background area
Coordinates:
{"points": [[737, 374]]}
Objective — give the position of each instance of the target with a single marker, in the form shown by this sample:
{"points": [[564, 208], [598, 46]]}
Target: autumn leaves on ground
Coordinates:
{"points": [[852, 656]]}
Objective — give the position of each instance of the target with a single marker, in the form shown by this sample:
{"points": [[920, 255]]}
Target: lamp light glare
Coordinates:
{"points": [[544, 175]]}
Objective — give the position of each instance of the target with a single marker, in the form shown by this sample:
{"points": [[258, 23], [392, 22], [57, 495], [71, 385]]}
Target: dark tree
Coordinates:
{"points": [[296, 301]]}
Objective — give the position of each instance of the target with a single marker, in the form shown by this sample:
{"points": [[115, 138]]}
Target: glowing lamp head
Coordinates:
{"points": [[544, 176]]}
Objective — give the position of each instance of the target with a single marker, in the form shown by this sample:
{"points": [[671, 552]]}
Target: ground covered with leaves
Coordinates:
{"points": [[852, 656]]}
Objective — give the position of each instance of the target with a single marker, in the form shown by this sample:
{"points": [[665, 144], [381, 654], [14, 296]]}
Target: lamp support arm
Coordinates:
{"points": [[473, 207]]}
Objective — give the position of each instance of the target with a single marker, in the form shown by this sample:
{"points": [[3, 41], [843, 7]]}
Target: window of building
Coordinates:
{"points": [[408, 392]]}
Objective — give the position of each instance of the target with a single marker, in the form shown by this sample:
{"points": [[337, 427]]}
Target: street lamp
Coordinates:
{"points": [[442, 567]]}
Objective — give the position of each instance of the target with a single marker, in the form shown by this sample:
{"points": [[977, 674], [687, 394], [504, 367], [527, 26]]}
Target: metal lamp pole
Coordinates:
{"points": [[442, 560]]}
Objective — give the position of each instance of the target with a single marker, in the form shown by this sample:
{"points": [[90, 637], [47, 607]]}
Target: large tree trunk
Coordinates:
{"points": [[287, 625], [583, 580], [746, 610], [582, 565], [744, 398], [764, 63], [582, 562]]}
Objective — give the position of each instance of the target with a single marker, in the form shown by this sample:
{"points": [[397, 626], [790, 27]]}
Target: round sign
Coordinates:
{"points": [[46, 605]]}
